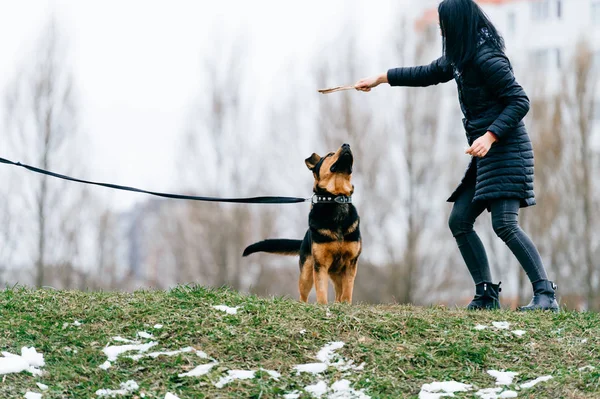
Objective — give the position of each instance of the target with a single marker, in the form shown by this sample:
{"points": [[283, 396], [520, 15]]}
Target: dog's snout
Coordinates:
{"points": [[345, 145]]}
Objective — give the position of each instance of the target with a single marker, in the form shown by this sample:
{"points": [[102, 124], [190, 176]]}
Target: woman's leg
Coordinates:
{"points": [[462, 218], [505, 221], [505, 215]]}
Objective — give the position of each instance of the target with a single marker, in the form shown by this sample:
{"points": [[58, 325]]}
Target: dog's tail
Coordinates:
{"points": [[280, 247]]}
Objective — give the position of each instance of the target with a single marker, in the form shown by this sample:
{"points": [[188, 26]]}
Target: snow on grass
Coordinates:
{"points": [[144, 335], [503, 377], [199, 371], [313, 368], [33, 395], [127, 388], [327, 356], [244, 375], [317, 390], [342, 390], [327, 353], [292, 395], [235, 375], [272, 373], [440, 389], [501, 325], [535, 382], [586, 368], [76, 323], [169, 395], [158, 326], [41, 386], [227, 309], [29, 361], [105, 366], [112, 352], [124, 340], [154, 355], [495, 393]]}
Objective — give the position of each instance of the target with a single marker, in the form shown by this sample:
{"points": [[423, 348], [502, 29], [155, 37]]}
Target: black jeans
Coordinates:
{"points": [[505, 213]]}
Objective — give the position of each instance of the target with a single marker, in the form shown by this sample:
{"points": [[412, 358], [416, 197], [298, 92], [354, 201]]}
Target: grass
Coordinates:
{"points": [[402, 347]]}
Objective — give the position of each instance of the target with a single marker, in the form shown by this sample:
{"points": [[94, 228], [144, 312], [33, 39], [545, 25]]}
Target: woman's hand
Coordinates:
{"points": [[482, 145], [367, 84]]}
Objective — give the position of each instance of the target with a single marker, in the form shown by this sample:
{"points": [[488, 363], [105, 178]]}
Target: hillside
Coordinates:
{"points": [[204, 343]]}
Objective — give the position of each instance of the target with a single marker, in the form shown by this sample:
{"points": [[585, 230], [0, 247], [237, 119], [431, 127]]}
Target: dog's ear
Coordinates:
{"points": [[312, 161]]}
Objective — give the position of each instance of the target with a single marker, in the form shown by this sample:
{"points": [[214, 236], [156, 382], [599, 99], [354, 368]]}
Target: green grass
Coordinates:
{"points": [[402, 347]]}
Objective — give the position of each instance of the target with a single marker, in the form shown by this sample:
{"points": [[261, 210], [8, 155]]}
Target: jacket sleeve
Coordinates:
{"points": [[427, 75], [499, 79]]}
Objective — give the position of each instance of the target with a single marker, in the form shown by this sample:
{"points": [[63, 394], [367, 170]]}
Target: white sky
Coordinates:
{"points": [[137, 64]]}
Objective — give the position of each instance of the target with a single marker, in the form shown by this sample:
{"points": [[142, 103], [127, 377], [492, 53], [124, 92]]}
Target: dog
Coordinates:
{"points": [[332, 244]]}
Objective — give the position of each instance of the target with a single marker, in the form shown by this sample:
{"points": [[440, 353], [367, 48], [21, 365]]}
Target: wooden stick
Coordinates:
{"points": [[334, 89]]}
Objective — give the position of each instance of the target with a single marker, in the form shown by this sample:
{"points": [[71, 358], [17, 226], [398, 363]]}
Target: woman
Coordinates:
{"points": [[500, 175]]}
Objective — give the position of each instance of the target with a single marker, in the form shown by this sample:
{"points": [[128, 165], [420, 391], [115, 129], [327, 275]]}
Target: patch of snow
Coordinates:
{"points": [[302, 332], [519, 333], [503, 377], [342, 390], [145, 335], [489, 393], [126, 389], [585, 368], [314, 368], [536, 381], [501, 325], [317, 390], [235, 375], [105, 366], [158, 326], [41, 386], [292, 395], [326, 354], [584, 341], [227, 309], [441, 389], [125, 340], [272, 373], [29, 360], [495, 393], [169, 395], [154, 355], [200, 370], [33, 395], [77, 323], [480, 327], [112, 352]]}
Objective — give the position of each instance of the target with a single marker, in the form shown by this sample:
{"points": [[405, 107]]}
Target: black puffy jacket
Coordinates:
{"points": [[491, 100]]}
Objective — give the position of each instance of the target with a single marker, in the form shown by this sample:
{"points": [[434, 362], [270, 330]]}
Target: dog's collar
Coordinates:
{"points": [[331, 199]]}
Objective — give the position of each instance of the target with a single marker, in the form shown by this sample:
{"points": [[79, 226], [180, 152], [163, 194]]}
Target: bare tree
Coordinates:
{"points": [[41, 116], [579, 105]]}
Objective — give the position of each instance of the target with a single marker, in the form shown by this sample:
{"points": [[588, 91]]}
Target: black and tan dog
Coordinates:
{"points": [[332, 244]]}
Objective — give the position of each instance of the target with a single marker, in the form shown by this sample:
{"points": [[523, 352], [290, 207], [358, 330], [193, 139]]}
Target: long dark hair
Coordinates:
{"points": [[462, 23]]}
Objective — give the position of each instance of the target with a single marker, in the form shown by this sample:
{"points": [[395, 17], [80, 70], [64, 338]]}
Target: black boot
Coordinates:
{"points": [[486, 297], [544, 297]]}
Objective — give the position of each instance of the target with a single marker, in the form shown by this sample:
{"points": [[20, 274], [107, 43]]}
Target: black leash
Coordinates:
{"points": [[254, 200]]}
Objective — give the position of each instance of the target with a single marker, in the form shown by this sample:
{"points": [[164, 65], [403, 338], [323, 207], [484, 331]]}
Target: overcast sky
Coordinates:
{"points": [[137, 63]]}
